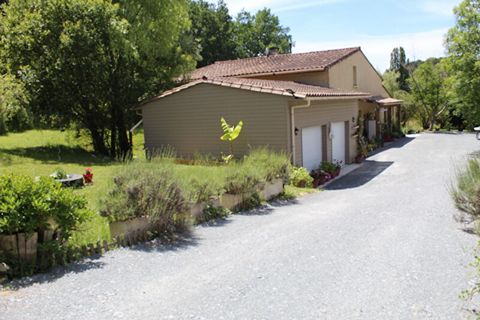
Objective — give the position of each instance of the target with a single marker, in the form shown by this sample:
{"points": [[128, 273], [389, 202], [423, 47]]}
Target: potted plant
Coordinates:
{"points": [[320, 177], [329, 168], [338, 167]]}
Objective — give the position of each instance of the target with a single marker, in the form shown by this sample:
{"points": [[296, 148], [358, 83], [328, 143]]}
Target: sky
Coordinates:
{"points": [[377, 26]]}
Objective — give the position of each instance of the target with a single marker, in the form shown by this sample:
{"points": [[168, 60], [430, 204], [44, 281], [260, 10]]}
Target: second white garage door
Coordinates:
{"points": [[338, 141], [312, 147]]}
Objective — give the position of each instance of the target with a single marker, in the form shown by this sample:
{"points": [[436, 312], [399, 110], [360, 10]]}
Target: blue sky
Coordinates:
{"points": [[377, 26]]}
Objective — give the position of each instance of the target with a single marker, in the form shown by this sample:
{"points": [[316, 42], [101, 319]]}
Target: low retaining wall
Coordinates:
{"points": [[228, 201]]}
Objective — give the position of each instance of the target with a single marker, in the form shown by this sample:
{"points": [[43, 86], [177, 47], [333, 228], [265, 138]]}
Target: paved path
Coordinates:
{"points": [[380, 246]]}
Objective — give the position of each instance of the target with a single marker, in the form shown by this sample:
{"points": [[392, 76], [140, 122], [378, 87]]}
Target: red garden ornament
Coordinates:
{"points": [[88, 176]]}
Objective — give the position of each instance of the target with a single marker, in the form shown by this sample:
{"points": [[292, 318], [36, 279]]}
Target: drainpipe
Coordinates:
{"points": [[292, 126]]}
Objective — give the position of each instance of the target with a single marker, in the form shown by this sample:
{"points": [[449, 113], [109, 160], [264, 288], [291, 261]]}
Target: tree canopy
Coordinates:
{"points": [[463, 46], [87, 62]]}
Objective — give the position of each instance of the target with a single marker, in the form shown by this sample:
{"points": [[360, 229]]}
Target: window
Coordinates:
{"points": [[355, 82]]}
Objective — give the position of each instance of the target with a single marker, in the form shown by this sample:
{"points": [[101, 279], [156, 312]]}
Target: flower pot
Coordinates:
{"points": [[272, 189], [337, 171], [124, 228], [359, 159], [20, 245]]}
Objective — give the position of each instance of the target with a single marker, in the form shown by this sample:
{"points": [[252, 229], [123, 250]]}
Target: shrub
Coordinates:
{"points": [[145, 190], [26, 205], [212, 212], [244, 178], [467, 192], [300, 177], [273, 165], [328, 167]]}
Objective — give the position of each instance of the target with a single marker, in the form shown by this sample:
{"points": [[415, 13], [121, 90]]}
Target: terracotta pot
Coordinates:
{"points": [[20, 245], [359, 159], [337, 171]]}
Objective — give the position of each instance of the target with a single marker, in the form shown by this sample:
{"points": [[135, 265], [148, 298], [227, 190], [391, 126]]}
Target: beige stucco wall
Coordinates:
{"points": [[189, 120], [341, 76], [324, 113], [319, 78]]}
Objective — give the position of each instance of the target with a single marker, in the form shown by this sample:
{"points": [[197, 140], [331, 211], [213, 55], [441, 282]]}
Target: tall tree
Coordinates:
{"points": [[398, 62], [212, 29], [430, 91], [254, 34], [463, 45], [90, 61]]}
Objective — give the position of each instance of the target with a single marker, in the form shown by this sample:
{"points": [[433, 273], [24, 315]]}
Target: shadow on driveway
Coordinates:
{"points": [[358, 177]]}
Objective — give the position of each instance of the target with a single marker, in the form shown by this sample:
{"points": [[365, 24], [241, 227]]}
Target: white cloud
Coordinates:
{"points": [[439, 7], [276, 5], [420, 45]]}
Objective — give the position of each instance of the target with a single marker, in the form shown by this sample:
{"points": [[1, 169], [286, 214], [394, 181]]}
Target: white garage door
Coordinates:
{"points": [[338, 141], [312, 147]]}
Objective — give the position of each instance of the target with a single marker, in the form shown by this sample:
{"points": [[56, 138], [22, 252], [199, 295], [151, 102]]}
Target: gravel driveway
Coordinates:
{"points": [[380, 243]]}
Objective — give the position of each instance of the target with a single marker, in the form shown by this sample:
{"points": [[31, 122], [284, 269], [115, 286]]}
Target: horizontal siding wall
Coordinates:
{"points": [[322, 113], [189, 120], [341, 76]]}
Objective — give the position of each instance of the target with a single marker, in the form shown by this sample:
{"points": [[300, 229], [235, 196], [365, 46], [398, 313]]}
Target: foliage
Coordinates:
{"points": [[27, 205], [255, 34], [13, 105], [362, 146], [144, 191], [88, 62], [466, 193], [273, 165], [59, 173], [212, 212], [463, 46], [430, 91], [328, 167], [470, 293], [230, 134], [212, 28], [300, 177], [243, 178], [398, 63]]}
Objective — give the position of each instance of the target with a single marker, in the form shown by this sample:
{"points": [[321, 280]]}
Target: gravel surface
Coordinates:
{"points": [[380, 243]]}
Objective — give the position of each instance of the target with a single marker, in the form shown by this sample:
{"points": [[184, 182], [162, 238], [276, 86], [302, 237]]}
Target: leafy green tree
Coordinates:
{"points": [[212, 29], [430, 92], [88, 62], [13, 105], [463, 45], [391, 83], [398, 62], [254, 34]]}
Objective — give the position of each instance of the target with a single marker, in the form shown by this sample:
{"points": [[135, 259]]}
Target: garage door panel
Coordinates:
{"points": [[312, 147]]}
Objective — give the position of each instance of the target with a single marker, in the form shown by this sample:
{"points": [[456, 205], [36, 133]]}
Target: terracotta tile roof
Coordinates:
{"points": [[384, 101], [277, 87], [280, 63]]}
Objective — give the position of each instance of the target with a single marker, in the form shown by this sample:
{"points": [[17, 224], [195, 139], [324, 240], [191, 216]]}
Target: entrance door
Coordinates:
{"points": [[338, 141], [312, 147]]}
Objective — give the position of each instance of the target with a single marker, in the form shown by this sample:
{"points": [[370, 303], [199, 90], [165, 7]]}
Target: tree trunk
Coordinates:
{"points": [[98, 141], [113, 135]]}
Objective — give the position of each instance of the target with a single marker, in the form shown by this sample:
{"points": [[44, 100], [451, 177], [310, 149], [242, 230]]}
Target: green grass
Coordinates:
{"points": [[40, 152], [292, 192]]}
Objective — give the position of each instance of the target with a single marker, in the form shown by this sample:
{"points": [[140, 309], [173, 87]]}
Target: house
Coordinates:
{"points": [[306, 104]]}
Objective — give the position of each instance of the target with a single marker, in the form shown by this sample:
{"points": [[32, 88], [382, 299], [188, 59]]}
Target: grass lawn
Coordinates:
{"points": [[40, 152]]}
